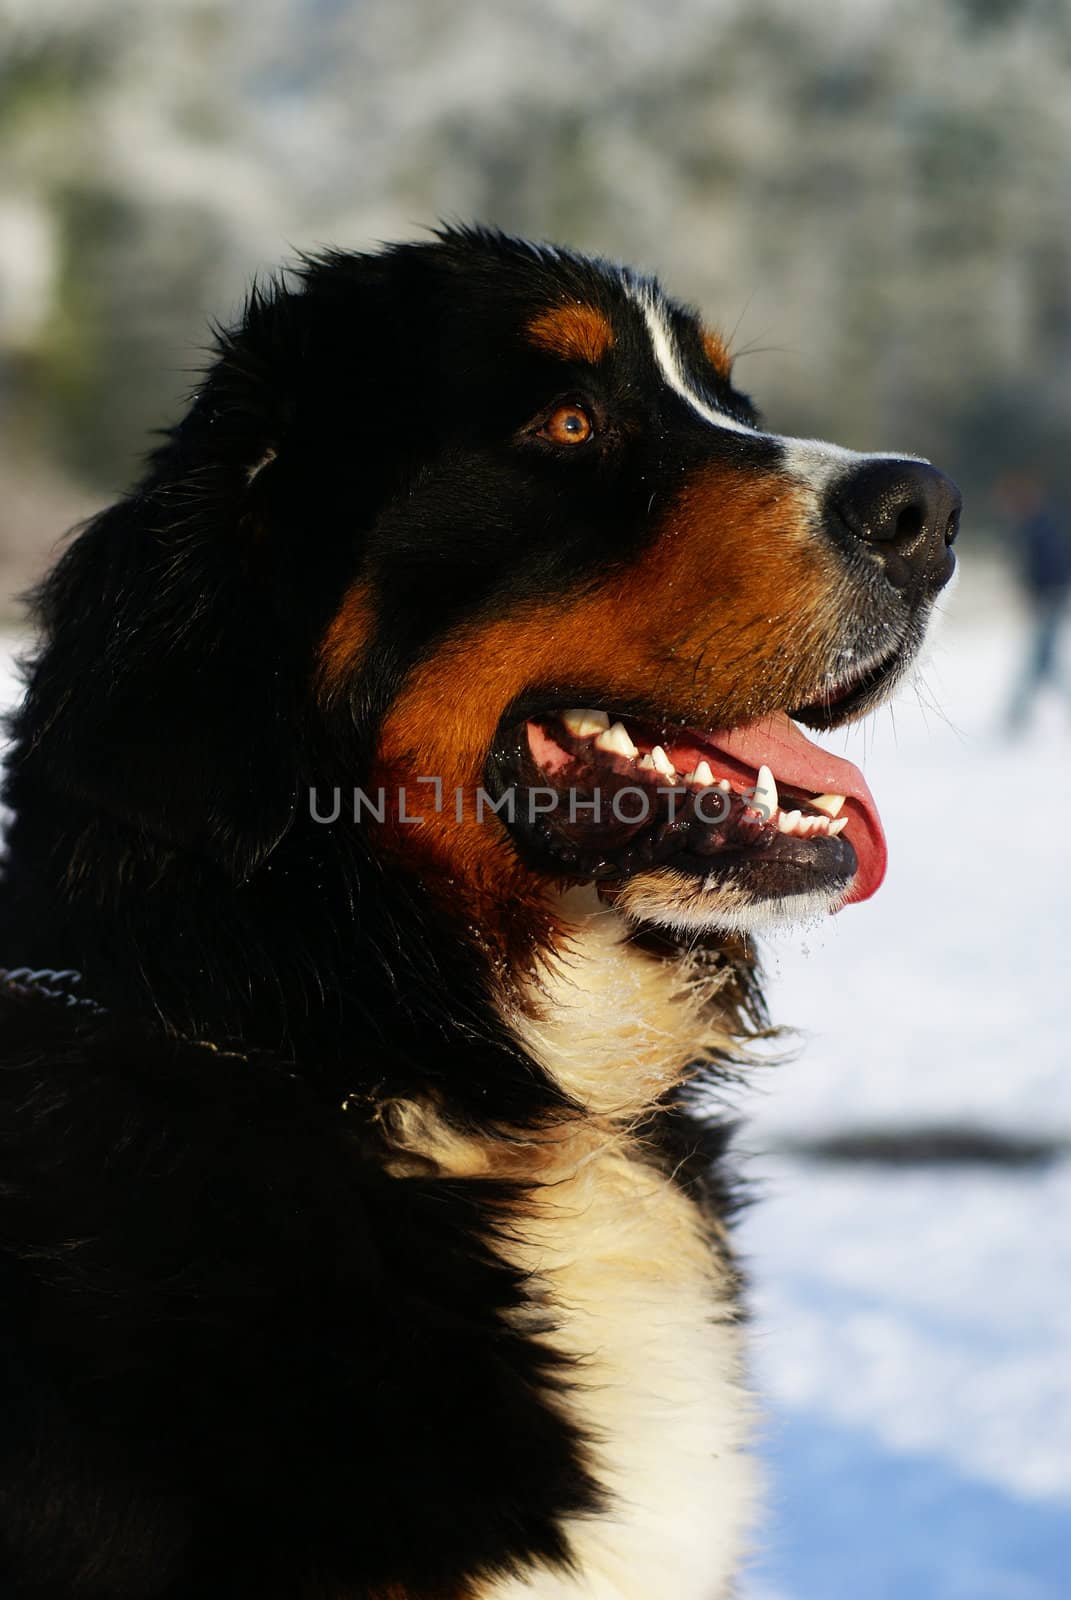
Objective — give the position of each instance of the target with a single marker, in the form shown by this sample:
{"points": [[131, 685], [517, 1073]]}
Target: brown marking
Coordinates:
{"points": [[717, 353], [345, 641], [399, 1591], [574, 332], [267, 456], [721, 619]]}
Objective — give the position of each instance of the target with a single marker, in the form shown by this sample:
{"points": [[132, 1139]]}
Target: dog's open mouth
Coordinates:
{"points": [[761, 808]]}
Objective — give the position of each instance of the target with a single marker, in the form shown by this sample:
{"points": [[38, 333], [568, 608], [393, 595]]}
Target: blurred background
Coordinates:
{"points": [[872, 198]]}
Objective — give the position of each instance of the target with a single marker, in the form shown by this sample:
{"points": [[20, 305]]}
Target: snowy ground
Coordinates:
{"points": [[913, 1340], [913, 1325]]}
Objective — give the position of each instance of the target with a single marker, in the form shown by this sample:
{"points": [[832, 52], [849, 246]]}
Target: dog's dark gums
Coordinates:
{"points": [[359, 1239]]}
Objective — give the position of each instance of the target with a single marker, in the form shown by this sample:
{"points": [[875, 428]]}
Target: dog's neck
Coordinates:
{"points": [[352, 971], [615, 1024]]}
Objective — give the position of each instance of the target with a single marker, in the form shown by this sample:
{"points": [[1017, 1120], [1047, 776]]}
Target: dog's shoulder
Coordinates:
{"points": [[220, 1295]]}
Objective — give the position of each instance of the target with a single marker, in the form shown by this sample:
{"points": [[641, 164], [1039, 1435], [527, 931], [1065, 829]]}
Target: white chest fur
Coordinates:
{"points": [[642, 1304], [644, 1310]]}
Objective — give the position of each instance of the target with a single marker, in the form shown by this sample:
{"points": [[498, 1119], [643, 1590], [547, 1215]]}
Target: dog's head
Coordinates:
{"points": [[489, 523]]}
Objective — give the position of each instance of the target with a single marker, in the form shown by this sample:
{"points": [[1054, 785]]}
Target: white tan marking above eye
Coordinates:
{"points": [[663, 345], [815, 462]]}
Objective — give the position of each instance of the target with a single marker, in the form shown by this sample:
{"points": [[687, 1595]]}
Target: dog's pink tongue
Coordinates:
{"points": [[794, 759]]}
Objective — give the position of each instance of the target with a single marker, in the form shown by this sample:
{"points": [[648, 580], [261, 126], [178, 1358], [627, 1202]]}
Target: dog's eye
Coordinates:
{"points": [[568, 425]]}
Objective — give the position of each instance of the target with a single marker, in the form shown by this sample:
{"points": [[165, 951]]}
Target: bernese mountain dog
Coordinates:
{"points": [[403, 767]]}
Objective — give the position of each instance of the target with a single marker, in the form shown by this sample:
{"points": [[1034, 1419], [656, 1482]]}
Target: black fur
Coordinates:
{"points": [[238, 1358]]}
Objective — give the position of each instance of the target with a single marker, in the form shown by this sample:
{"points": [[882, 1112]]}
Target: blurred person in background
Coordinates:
{"points": [[1043, 557]]}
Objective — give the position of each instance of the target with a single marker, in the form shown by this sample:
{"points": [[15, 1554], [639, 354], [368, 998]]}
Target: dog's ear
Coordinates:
{"points": [[168, 685]]}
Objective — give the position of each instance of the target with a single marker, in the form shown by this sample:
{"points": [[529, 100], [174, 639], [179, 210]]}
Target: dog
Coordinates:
{"points": [[403, 769]]}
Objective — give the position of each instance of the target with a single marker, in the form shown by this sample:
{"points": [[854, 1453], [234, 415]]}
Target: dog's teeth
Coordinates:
{"points": [[663, 763], [829, 803], [837, 827], [585, 724], [789, 821], [818, 824], [765, 791], [616, 742], [645, 764], [702, 774], [724, 785]]}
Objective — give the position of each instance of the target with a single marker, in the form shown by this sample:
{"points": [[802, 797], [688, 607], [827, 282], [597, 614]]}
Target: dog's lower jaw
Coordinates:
{"points": [[683, 907]]}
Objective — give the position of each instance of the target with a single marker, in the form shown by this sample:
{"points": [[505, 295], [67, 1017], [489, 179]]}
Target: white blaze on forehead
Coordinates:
{"points": [[664, 345], [815, 462]]}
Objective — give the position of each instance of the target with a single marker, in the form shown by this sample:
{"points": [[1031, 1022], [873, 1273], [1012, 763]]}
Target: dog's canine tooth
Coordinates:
{"points": [[616, 742], [702, 775], [829, 803], [584, 723], [837, 827], [765, 791], [662, 762]]}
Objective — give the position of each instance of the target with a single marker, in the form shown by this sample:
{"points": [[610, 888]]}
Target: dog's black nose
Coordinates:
{"points": [[907, 513]]}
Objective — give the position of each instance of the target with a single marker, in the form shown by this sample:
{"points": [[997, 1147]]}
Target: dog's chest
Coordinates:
{"points": [[642, 1299], [624, 1276], [643, 1308]]}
